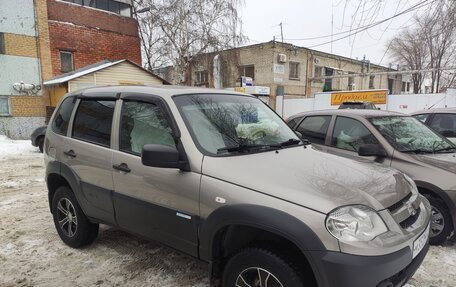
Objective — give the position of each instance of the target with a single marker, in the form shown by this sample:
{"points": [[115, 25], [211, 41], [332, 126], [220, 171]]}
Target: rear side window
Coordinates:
{"points": [[445, 124], [93, 121], [314, 128], [350, 134], [62, 117]]}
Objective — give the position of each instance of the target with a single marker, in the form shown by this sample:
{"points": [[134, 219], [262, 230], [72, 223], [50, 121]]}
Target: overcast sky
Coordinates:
{"points": [[312, 18]]}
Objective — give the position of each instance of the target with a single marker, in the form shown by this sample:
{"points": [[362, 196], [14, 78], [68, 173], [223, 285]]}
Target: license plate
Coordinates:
{"points": [[420, 242]]}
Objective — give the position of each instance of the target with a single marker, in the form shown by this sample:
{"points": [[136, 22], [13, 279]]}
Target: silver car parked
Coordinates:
{"points": [[394, 140]]}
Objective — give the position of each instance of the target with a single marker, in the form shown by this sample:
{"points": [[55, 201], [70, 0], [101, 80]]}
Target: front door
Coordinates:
{"points": [[158, 203]]}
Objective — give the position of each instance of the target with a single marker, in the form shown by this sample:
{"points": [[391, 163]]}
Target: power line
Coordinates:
{"points": [[413, 8], [363, 28]]}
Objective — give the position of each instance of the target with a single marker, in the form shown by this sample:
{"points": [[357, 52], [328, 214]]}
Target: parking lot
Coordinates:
{"points": [[31, 254]]}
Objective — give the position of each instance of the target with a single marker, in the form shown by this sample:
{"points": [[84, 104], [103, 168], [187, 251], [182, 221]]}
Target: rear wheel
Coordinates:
{"points": [[257, 267], [441, 221], [71, 223]]}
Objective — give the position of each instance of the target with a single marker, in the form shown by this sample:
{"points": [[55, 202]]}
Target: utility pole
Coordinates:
{"points": [[281, 31], [332, 25]]}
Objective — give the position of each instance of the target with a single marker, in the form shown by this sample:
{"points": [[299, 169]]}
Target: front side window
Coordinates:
{"points": [[422, 118], [350, 134], [93, 121], [62, 117], [231, 125], [314, 128], [143, 123], [445, 124], [407, 134]]}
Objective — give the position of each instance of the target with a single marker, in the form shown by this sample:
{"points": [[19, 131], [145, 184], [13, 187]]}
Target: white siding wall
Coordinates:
{"points": [[122, 73]]}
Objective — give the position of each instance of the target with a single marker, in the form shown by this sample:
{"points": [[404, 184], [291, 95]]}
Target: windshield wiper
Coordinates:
{"points": [[417, 151], [290, 142], [240, 148], [445, 149]]}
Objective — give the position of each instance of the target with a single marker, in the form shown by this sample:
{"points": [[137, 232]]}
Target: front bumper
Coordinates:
{"points": [[344, 270]]}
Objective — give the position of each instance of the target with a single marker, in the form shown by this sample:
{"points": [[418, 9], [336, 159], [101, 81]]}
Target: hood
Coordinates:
{"points": [[311, 178], [446, 161]]}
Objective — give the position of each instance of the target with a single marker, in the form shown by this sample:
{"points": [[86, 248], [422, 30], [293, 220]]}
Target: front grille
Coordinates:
{"points": [[411, 220], [399, 204]]}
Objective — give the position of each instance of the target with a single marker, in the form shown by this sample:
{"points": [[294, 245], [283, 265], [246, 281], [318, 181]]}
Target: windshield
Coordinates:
{"points": [[407, 134], [230, 124]]}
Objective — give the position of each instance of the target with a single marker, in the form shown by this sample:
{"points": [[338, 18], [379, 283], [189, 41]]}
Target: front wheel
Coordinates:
{"points": [[258, 267], [441, 221], [71, 223]]}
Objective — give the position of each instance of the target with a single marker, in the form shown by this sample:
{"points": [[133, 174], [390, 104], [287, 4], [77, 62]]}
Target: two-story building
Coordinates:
{"points": [[287, 70]]}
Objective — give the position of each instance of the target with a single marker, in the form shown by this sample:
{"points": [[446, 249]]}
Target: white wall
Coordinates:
{"points": [[397, 103]]}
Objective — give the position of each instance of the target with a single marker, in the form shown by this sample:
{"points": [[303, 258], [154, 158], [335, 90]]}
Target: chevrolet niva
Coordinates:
{"points": [[218, 175]]}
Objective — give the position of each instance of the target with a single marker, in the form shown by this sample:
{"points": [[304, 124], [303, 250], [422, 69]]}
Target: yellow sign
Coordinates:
{"points": [[376, 97]]}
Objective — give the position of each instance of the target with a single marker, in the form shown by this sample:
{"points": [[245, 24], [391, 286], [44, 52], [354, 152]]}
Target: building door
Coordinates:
{"points": [[328, 82]]}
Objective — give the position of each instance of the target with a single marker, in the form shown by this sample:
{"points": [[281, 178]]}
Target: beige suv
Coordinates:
{"points": [[218, 175], [394, 140]]}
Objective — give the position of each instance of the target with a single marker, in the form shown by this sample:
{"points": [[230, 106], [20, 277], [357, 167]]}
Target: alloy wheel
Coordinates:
{"points": [[66, 216], [257, 277]]}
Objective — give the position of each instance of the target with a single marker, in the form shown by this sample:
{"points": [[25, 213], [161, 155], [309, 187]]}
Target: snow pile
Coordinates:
{"points": [[15, 147]]}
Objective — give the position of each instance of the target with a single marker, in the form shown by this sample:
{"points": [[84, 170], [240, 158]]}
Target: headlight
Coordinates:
{"points": [[355, 223]]}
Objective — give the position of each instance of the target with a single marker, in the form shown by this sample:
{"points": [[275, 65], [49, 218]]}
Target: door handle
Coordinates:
{"points": [[122, 167], [70, 153]]}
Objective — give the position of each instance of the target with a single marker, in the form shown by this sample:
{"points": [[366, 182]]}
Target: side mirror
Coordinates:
{"points": [[156, 155], [372, 150]]}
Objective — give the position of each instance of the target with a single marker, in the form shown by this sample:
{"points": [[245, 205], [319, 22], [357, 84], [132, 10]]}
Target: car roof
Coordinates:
{"points": [[165, 91], [349, 112], [436, 110]]}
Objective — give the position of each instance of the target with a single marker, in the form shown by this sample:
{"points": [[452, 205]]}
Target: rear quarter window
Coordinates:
{"points": [[62, 117]]}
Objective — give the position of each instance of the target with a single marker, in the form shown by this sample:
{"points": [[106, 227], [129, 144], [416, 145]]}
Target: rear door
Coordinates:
{"points": [[87, 153], [158, 203]]}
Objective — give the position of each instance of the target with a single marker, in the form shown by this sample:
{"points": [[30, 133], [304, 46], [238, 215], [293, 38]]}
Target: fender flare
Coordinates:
{"points": [[261, 217], [442, 194]]}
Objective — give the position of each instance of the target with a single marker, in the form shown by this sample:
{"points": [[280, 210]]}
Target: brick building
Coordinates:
{"points": [[41, 39], [287, 70]]}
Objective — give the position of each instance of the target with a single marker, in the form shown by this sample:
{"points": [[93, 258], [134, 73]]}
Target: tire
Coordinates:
{"points": [[40, 143], [441, 221], [76, 230], [248, 263]]}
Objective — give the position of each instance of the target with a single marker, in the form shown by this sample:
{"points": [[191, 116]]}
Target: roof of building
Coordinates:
{"points": [[92, 69]]}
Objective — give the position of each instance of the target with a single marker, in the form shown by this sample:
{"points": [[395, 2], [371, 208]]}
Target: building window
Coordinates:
{"points": [[404, 86], [247, 71], [371, 82], [351, 82], [113, 6], [4, 106], [328, 81], [201, 77], [408, 86], [2, 43], [294, 70], [66, 61]]}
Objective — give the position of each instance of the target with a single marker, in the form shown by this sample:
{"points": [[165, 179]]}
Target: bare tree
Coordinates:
{"points": [[431, 44], [408, 50], [173, 32]]}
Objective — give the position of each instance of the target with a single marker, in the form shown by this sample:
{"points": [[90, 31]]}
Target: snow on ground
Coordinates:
{"points": [[31, 253]]}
